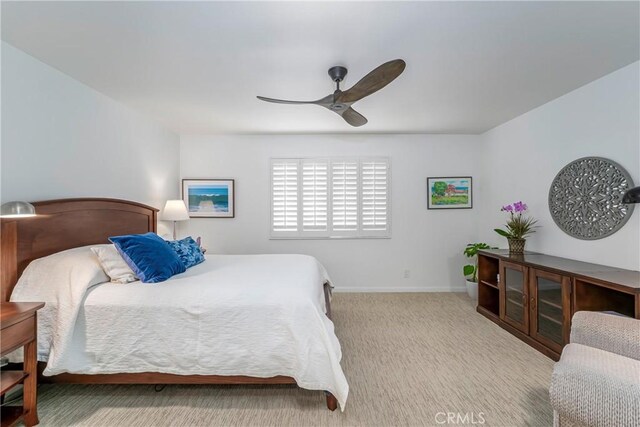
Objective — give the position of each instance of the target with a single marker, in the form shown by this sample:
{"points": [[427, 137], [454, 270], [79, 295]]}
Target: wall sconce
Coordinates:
{"points": [[631, 196], [17, 210]]}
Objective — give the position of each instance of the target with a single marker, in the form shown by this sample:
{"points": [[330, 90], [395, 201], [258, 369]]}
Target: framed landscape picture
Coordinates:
{"points": [[453, 192], [209, 198]]}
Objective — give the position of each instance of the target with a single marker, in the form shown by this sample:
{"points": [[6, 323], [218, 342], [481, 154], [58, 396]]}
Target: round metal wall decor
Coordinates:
{"points": [[585, 198]]}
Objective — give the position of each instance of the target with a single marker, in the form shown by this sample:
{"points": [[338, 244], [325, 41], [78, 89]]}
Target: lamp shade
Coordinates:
{"points": [[175, 210], [631, 196], [17, 210]]}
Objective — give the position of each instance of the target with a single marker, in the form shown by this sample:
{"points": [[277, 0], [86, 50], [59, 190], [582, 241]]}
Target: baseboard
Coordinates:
{"points": [[398, 289]]}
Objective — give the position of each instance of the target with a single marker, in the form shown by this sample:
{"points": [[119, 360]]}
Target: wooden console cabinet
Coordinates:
{"points": [[534, 296]]}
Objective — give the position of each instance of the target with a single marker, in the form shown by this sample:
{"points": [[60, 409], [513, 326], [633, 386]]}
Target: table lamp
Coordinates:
{"points": [[175, 210]]}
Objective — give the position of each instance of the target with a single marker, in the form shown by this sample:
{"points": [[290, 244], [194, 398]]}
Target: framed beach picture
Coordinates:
{"points": [[209, 198], [453, 192]]}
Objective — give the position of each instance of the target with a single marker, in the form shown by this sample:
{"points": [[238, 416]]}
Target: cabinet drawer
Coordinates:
{"points": [[17, 335]]}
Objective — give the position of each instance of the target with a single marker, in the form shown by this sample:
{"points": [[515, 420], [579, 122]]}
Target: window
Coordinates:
{"points": [[325, 198]]}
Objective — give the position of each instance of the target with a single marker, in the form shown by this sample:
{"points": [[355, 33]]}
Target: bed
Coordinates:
{"points": [[252, 319]]}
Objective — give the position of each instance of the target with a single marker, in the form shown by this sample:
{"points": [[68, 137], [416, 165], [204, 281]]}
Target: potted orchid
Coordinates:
{"points": [[518, 227]]}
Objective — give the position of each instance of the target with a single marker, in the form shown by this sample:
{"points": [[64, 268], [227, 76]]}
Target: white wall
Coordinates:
{"points": [[62, 139], [426, 242], [522, 157], [515, 161]]}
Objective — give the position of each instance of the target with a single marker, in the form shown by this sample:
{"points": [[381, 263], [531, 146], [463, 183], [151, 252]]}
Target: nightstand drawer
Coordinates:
{"points": [[18, 334]]}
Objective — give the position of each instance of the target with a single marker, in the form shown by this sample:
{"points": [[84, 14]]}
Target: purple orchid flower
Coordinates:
{"points": [[507, 208], [519, 207]]}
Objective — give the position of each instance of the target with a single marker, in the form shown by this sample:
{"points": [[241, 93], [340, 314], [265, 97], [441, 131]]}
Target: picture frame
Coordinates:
{"points": [[451, 192], [209, 198]]}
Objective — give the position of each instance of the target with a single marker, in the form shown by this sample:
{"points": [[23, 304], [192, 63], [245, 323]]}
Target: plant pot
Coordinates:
{"points": [[516, 246], [472, 290]]}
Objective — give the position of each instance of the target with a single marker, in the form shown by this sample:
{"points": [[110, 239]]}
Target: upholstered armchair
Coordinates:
{"points": [[597, 380]]}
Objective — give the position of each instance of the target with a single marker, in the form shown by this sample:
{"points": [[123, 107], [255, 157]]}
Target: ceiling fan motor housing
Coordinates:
{"points": [[337, 73]]}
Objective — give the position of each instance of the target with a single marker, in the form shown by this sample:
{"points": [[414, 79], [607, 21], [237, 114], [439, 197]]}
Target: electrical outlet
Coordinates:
{"points": [[407, 274]]}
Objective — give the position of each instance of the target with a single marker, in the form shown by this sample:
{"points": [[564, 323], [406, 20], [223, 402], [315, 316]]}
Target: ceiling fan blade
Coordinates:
{"points": [[374, 81], [352, 117], [282, 101], [327, 100]]}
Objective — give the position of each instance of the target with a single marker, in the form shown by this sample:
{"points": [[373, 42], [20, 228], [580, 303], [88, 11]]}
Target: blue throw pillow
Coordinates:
{"points": [[149, 256], [188, 250]]}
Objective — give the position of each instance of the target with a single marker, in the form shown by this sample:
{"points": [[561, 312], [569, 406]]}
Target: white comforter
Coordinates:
{"points": [[255, 315]]}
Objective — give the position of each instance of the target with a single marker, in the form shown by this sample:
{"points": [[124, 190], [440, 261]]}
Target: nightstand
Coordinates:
{"points": [[19, 329]]}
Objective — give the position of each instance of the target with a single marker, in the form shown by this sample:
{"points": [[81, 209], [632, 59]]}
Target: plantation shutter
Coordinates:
{"points": [[375, 195], [344, 196], [320, 197], [315, 195], [284, 197]]}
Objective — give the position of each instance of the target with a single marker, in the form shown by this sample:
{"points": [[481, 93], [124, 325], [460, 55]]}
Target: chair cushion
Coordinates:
{"points": [[596, 387]]}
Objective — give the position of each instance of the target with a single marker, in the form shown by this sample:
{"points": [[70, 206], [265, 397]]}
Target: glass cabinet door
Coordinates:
{"points": [[514, 295], [550, 311]]}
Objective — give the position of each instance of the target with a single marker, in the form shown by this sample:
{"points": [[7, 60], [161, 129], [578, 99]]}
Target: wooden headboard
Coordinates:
{"points": [[65, 224]]}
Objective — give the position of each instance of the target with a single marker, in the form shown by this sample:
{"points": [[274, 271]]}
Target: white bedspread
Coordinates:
{"points": [[255, 315]]}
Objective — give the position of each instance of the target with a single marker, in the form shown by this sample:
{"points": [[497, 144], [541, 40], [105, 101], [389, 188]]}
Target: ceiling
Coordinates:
{"points": [[197, 67]]}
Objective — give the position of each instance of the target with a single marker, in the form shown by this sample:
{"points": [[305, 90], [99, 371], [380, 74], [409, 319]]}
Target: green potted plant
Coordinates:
{"points": [[470, 271], [518, 227]]}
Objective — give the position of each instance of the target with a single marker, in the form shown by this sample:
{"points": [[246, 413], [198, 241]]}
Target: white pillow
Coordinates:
{"points": [[73, 270], [60, 280], [113, 264]]}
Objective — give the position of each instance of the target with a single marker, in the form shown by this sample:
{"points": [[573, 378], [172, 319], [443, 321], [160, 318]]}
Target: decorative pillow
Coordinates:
{"points": [[113, 264], [149, 256], [188, 250]]}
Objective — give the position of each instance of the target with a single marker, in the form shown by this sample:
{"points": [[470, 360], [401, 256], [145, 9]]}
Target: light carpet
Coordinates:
{"points": [[410, 359]]}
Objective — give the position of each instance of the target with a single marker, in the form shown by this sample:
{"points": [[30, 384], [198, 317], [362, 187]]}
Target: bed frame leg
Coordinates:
{"points": [[332, 402]]}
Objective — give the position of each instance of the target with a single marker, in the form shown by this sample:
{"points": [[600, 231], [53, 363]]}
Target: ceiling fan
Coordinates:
{"points": [[340, 102]]}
